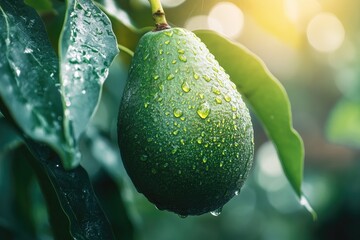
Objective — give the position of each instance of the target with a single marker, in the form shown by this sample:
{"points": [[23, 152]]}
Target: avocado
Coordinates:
{"points": [[184, 132]]}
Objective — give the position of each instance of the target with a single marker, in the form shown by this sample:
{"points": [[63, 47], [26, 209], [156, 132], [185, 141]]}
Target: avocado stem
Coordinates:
{"points": [[158, 15]]}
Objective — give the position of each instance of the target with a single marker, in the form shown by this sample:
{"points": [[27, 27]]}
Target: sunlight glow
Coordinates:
{"points": [[230, 18], [201, 22], [172, 3], [325, 32]]}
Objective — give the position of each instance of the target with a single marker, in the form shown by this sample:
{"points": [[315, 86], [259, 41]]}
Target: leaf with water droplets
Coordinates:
{"points": [[87, 48], [267, 98], [29, 95]]}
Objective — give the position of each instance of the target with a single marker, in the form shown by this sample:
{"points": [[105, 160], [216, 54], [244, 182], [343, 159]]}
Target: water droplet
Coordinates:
{"points": [[143, 158], [203, 110], [196, 76], [233, 108], [173, 61], [182, 58], [156, 77], [218, 100], [177, 112], [185, 87], [204, 160], [169, 33], [165, 165], [146, 104], [167, 42], [199, 140], [161, 51], [227, 98], [182, 141], [221, 164], [207, 78], [237, 192], [176, 132], [215, 90], [83, 91], [161, 87], [181, 51], [170, 76], [201, 95], [28, 50], [216, 212]]}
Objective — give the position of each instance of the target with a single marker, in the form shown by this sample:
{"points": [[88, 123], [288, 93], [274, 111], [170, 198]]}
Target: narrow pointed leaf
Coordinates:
{"points": [[29, 92], [267, 97], [75, 195], [87, 48]]}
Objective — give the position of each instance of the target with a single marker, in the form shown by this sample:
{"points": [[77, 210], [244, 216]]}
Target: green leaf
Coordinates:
{"points": [[40, 5], [267, 98], [29, 95], [9, 138], [343, 126], [75, 194], [87, 48]]}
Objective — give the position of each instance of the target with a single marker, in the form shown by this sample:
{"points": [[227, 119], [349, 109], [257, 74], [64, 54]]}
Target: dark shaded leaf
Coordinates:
{"points": [[9, 138], [87, 48], [267, 98], [40, 5], [29, 79], [75, 194]]}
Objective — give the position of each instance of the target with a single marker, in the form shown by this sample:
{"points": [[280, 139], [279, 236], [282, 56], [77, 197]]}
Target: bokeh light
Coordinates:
{"points": [[172, 3], [325, 32], [230, 18], [201, 22]]}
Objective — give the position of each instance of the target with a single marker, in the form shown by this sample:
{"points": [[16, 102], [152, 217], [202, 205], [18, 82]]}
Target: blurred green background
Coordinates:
{"points": [[311, 46]]}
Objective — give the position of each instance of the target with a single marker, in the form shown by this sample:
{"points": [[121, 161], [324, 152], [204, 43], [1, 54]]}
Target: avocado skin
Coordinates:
{"points": [[184, 132]]}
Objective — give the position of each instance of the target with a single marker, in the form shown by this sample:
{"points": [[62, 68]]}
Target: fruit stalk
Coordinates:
{"points": [[158, 15]]}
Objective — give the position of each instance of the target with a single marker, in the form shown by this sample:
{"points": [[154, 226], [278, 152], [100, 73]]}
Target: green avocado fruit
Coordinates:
{"points": [[185, 134]]}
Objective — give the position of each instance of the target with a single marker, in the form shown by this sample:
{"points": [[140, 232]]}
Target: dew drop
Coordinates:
{"points": [[170, 76], [167, 42], [204, 160], [185, 87], [146, 105], [181, 51], [218, 100], [221, 164], [196, 76], [176, 132], [143, 158], [207, 78], [169, 33], [199, 140], [161, 51], [203, 110], [173, 62], [201, 95], [182, 58], [83, 91], [237, 192], [156, 77], [177, 113], [233, 108], [215, 90], [227, 98], [216, 212]]}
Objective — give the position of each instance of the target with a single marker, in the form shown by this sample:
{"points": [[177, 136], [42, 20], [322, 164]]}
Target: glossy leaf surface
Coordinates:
{"points": [[87, 48], [267, 98], [29, 78]]}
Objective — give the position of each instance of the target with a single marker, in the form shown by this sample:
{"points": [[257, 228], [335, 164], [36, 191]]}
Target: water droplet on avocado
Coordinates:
{"points": [[181, 51], [167, 42], [218, 100], [237, 192], [203, 110], [161, 51], [143, 158], [221, 164], [156, 77], [169, 33], [170, 76], [196, 76], [182, 58], [177, 113], [199, 140], [215, 90], [227, 98], [185, 87], [216, 212], [204, 160], [207, 78], [173, 62]]}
